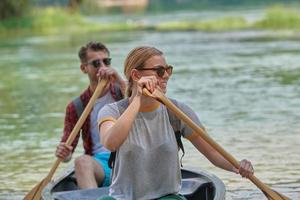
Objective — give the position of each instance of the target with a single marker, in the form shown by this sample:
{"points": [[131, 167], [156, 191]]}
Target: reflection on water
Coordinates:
{"points": [[244, 89]]}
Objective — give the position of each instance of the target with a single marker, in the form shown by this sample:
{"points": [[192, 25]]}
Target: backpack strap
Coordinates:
{"points": [[117, 95], [116, 92], [175, 123], [78, 106], [112, 158]]}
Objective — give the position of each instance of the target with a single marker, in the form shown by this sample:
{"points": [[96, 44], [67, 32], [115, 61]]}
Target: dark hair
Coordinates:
{"points": [[135, 60], [93, 46]]}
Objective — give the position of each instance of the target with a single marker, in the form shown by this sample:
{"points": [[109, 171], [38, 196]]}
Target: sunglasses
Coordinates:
{"points": [[160, 70], [97, 63]]}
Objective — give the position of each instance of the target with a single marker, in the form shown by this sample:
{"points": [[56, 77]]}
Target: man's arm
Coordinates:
{"points": [[63, 150]]}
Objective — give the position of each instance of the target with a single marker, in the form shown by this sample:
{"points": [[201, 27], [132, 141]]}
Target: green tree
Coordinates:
{"points": [[13, 8], [74, 4]]}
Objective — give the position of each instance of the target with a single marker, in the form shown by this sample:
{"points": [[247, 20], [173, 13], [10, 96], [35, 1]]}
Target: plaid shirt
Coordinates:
{"points": [[71, 119]]}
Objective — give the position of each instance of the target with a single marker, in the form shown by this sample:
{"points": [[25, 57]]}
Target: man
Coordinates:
{"points": [[91, 169]]}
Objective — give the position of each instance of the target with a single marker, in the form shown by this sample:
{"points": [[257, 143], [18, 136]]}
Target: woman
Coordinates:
{"points": [[138, 128]]}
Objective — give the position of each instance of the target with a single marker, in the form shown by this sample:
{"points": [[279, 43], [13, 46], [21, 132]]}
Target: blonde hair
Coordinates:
{"points": [[136, 60]]}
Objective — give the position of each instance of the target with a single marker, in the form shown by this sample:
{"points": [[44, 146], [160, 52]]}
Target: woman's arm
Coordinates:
{"points": [[211, 154], [218, 160], [114, 133]]}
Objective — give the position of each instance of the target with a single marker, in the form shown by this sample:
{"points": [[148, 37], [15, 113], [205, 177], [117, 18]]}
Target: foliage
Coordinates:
{"points": [[54, 20], [49, 20], [13, 8], [288, 77], [222, 24], [171, 5], [74, 4], [279, 17]]}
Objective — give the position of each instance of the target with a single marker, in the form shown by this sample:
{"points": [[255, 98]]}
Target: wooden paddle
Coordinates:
{"points": [[35, 193], [158, 95]]}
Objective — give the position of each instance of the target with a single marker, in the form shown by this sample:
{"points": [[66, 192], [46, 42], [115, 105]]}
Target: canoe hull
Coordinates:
{"points": [[195, 185]]}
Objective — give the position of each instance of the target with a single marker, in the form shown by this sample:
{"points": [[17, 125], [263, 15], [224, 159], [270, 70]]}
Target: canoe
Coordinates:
{"points": [[195, 185]]}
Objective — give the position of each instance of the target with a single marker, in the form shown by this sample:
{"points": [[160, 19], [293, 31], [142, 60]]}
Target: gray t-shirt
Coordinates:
{"points": [[100, 102], [147, 164]]}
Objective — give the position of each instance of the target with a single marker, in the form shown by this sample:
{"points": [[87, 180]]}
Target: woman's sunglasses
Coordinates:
{"points": [[97, 63], [160, 70]]}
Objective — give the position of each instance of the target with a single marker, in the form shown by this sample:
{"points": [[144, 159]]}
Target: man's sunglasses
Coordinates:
{"points": [[97, 63], [160, 70]]}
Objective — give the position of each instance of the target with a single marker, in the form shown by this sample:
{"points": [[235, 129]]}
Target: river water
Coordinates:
{"points": [[243, 85]]}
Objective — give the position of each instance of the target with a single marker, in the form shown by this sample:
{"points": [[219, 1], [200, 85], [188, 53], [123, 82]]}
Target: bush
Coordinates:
{"points": [[13, 8], [279, 17]]}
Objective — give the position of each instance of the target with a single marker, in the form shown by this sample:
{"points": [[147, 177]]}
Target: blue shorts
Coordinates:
{"points": [[102, 158]]}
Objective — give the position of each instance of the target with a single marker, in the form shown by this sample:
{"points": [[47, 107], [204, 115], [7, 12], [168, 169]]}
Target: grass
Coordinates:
{"points": [[278, 17], [53, 20], [286, 77], [57, 21], [46, 21], [223, 24]]}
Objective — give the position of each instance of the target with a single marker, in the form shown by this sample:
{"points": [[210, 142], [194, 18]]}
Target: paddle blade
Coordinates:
{"points": [[36, 192]]}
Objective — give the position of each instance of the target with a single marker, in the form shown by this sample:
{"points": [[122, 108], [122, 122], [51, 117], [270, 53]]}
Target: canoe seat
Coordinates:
{"points": [[197, 188], [191, 188]]}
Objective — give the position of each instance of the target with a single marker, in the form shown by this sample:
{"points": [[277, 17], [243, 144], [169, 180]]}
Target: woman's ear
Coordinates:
{"points": [[135, 75], [83, 68]]}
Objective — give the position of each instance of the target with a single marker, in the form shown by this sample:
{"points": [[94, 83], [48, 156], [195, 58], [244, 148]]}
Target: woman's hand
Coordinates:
{"points": [[149, 82], [113, 134], [245, 169]]}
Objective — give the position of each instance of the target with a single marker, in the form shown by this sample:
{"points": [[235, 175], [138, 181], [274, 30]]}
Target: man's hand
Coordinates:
{"points": [[112, 75], [64, 151]]}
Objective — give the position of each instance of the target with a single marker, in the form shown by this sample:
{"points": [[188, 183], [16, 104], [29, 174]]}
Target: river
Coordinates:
{"points": [[244, 86]]}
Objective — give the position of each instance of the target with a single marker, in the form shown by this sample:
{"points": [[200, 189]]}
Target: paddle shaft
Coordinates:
{"points": [[35, 193], [272, 195]]}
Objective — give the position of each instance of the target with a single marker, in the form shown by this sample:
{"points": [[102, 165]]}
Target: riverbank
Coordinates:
{"points": [[57, 21]]}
